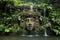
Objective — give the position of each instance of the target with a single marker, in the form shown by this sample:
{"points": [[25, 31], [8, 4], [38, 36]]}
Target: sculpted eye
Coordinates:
{"points": [[22, 20], [27, 20]]}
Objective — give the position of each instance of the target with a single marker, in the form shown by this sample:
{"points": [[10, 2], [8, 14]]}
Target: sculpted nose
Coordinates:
{"points": [[29, 24]]}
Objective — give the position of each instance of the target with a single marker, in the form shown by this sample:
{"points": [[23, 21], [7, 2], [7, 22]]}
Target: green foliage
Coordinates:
{"points": [[14, 28], [57, 31], [55, 18], [9, 18], [1, 27], [44, 22], [52, 21]]}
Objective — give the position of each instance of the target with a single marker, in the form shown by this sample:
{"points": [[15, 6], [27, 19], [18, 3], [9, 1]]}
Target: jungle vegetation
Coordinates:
{"points": [[9, 13]]}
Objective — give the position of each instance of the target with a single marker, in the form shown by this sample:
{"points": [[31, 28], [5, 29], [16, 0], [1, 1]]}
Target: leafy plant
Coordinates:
{"points": [[9, 17], [1, 27]]}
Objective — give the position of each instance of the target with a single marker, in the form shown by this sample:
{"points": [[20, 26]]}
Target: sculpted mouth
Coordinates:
{"points": [[30, 27]]}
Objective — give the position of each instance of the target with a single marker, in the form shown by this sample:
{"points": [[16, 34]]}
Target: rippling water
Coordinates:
{"points": [[28, 38]]}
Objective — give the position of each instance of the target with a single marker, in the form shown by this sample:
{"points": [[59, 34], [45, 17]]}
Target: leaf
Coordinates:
{"points": [[7, 30], [55, 30]]}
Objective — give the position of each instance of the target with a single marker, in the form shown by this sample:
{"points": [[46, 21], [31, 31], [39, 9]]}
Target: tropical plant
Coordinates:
{"points": [[9, 16]]}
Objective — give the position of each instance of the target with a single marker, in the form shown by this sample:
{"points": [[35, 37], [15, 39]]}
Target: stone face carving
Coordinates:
{"points": [[30, 22]]}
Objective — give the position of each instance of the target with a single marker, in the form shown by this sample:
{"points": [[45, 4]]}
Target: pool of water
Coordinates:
{"points": [[28, 38]]}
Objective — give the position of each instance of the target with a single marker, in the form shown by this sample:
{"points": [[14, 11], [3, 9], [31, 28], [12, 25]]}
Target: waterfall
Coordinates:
{"points": [[31, 8], [45, 31]]}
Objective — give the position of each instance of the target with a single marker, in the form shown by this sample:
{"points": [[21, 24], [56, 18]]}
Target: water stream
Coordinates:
{"points": [[31, 8], [45, 31]]}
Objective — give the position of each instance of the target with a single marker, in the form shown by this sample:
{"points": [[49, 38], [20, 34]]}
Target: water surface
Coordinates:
{"points": [[28, 38]]}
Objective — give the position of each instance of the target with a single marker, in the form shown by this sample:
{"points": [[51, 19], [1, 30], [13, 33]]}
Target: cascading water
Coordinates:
{"points": [[31, 8], [45, 34], [45, 31]]}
